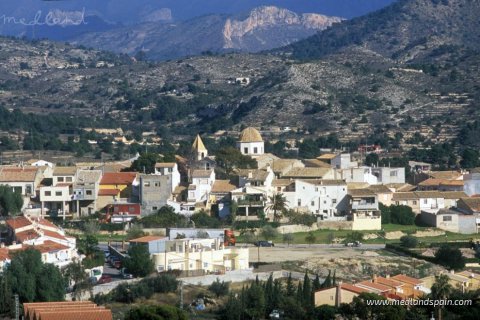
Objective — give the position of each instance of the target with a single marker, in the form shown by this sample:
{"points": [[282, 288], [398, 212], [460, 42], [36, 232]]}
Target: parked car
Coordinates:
{"points": [[353, 244], [126, 274], [263, 243], [104, 279]]}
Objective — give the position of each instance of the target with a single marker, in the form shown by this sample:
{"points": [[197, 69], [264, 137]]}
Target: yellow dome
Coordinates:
{"points": [[250, 135]]}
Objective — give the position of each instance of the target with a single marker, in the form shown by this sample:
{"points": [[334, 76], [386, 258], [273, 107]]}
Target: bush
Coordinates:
{"points": [[202, 219], [402, 215], [354, 236], [219, 288], [449, 257], [303, 219], [162, 283], [409, 241]]}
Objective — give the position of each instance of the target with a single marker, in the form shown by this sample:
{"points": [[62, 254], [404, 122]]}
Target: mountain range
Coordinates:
{"points": [[412, 67]]}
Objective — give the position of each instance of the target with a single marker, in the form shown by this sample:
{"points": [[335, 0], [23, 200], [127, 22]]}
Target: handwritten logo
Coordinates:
{"points": [[53, 18]]}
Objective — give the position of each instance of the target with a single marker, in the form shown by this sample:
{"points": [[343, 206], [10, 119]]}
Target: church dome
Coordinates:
{"points": [[250, 135]]}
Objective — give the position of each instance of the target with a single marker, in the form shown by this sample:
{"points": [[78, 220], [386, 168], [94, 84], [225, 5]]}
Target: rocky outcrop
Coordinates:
{"points": [[270, 17]]}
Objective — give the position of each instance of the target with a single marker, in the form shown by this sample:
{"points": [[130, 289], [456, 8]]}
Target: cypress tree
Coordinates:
{"points": [[300, 293], [334, 281], [328, 280], [307, 291], [316, 283], [290, 289]]}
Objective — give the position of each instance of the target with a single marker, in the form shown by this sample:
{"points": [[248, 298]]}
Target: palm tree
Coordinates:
{"points": [[441, 290], [278, 203]]}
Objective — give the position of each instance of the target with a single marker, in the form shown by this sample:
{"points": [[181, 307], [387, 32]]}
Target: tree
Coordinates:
{"points": [[138, 261], [91, 227], [409, 241], [10, 202], [202, 219], [441, 290], [386, 214], [450, 257], [255, 301], [288, 238], [402, 215], [33, 280], [164, 218], [290, 287], [230, 158], [268, 232], [219, 288], [310, 238], [135, 231], [145, 163], [307, 292], [76, 276], [331, 237], [157, 312], [353, 237], [278, 203], [470, 158]]}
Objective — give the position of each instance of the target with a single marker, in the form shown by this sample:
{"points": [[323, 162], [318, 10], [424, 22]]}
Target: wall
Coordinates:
{"points": [[368, 223]]}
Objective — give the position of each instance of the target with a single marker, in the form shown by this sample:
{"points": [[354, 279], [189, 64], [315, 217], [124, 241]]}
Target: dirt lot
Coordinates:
{"points": [[348, 263]]}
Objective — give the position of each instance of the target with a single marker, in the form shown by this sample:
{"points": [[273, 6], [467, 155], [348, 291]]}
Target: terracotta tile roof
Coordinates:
{"points": [[108, 192], [431, 182], [441, 194], [88, 176], [201, 173], [282, 164], [18, 222], [399, 196], [352, 288], [252, 174], [50, 246], [16, 174], [315, 163], [457, 183], [4, 254], [445, 174], [373, 286], [361, 193], [400, 187], [472, 203], [146, 239], [222, 186], [52, 234], [117, 178], [179, 189], [316, 173], [282, 182], [64, 171], [388, 282], [165, 164], [198, 144], [325, 182], [78, 310], [26, 235], [406, 279]]}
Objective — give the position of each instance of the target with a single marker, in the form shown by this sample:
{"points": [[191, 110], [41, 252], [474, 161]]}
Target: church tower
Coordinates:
{"points": [[198, 149], [251, 142]]}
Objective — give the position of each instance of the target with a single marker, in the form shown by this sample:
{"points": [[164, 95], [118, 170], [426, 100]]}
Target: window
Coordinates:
{"points": [[28, 189], [414, 202], [334, 201], [58, 193], [160, 268], [245, 150], [279, 188], [397, 203], [170, 170], [69, 179], [393, 173], [60, 179], [425, 201], [155, 208], [48, 193], [312, 203], [89, 192], [299, 202], [205, 264], [255, 150], [146, 184], [157, 184], [316, 189], [447, 218]]}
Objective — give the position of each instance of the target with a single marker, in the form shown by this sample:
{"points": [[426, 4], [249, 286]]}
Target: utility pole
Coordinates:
{"points": [[17, 307]]}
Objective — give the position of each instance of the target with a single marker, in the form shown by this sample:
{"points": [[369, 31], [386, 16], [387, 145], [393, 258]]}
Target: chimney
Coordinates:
{"points": [[387, 276], [374, 278], [2, 245], [338, 296]]}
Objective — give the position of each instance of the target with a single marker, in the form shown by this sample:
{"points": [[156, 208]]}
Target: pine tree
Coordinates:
{"points": [[334, 281], [269, 294], [328, 280], [316, 283], [300, 293], [290, 289], [307, 291]]}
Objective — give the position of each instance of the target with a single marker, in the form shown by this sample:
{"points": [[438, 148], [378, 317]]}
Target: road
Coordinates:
{"points": [[322, 246]]}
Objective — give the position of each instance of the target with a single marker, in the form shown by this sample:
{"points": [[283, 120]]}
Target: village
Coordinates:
{"points": [[334, 191]]}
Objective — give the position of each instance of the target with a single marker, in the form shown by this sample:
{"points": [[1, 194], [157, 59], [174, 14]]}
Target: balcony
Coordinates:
{"points": [[251, 203]]}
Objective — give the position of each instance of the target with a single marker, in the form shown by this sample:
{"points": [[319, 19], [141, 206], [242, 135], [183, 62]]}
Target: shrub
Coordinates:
{"points": [[409, 241], [219, 288], [402, 215], [450, 257]]}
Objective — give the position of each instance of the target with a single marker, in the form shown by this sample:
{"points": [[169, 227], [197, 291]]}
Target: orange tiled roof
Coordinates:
{"points": [[116, 178], [18, 222], [352, 288], [221, 186], [165, 164], [17, 174], [108, 192], [388, 282], [53, 234], [406, 279], [78, 310], [4, 254], [49, 246], [26, 235], [375, 286], [146, 239]]}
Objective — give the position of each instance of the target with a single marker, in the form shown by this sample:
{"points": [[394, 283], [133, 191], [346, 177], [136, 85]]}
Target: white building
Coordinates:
{"points": [[169, 169], [357, 174], [326, 199], [201, 186], [386, 175], [343, 161], [251, 142], [471, 184]]}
